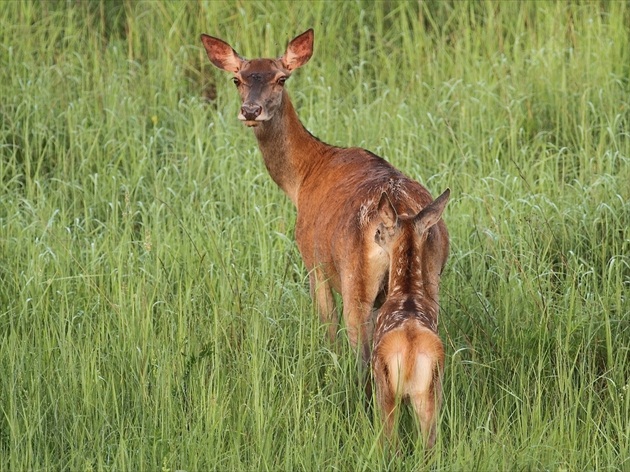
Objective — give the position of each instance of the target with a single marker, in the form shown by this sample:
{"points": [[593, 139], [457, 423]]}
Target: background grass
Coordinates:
{"points": [[154, 310]]}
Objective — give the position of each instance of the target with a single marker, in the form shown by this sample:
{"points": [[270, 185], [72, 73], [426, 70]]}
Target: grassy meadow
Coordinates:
{"points": [[154, 309]]}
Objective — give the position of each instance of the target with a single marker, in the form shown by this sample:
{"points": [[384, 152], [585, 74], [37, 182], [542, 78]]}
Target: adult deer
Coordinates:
{"points": [[334, 189], [408, 355]]}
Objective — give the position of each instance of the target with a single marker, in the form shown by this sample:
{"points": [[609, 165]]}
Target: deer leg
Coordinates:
{"points": [[386, 400], [321, 293], [359, 297], [357, 315], [426, 405]]}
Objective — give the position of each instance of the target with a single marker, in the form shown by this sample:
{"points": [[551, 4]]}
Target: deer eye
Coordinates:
{"points": [[236, 81], [281, 81]]}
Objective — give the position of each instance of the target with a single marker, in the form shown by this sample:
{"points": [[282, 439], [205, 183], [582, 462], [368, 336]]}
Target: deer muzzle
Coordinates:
{"points": [[249, 113]]}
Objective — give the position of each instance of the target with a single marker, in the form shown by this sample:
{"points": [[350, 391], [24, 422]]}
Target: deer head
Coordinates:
{"points": [[260, 82], [404, 238]]}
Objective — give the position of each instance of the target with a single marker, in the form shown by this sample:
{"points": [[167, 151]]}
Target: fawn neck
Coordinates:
{"points": [[408, 279], [288, 149]]}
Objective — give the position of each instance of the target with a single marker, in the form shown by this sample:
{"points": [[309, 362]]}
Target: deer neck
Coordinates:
{"points": [[288, 149], [408, 280], [407, 299]]}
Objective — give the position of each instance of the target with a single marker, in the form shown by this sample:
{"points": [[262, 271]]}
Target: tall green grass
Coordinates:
{"points": [[154, 310]]}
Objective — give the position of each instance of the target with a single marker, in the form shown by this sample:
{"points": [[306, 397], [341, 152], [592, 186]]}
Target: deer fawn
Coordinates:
{"points": [[408, 356], [335, 190]]}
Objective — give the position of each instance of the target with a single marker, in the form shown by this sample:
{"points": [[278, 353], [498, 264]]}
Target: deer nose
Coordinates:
{"points": [[250, 111]]}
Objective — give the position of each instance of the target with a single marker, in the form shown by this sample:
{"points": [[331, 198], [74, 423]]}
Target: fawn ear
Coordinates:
{"points": [[387, 212], [299, 51], [221, 54], [432, 213]]}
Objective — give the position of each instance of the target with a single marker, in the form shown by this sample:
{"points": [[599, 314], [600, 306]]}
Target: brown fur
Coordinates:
{"points": [[408, 355], [335, 190]]}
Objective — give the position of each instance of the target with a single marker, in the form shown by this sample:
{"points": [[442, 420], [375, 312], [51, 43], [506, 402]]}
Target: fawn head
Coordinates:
{"points": [[260, 82], [404, 239]]}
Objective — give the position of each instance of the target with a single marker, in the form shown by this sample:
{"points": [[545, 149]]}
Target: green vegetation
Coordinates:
{"points": [[154, 310]]}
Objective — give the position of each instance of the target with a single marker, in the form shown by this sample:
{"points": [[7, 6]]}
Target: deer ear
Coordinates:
{"points": [[432, 213], [221, 54], [387, 212], [299, 51]]}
